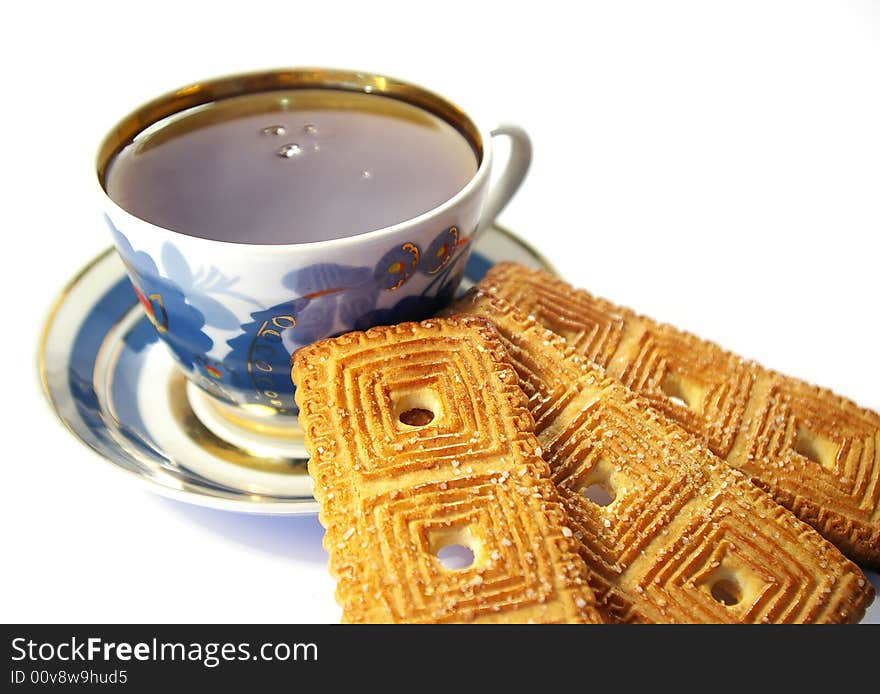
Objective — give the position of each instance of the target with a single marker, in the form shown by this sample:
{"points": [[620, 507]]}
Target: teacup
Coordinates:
{"points": [[232, 313]]}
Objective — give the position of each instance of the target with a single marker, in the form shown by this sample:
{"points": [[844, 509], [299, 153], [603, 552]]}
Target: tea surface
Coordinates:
{"points": [[291, 167]]}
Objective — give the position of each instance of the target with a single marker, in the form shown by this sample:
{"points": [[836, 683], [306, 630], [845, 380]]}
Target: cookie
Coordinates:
{"points": [[670, 532], [421, 445], [816, 453]]}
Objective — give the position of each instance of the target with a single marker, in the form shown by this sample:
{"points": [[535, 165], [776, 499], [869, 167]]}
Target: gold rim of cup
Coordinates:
{"points": [[211, 90]]}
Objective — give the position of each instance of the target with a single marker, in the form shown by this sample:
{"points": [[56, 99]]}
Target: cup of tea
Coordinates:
{"points": [[260, 212]]}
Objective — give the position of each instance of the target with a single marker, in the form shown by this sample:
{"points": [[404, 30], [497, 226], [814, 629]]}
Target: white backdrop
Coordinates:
{"points": [[714, 165]]}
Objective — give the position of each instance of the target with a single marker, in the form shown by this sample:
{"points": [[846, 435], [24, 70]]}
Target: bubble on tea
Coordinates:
{"points": [[366, 174], [274, 130], [289, 151], [310, 129]]}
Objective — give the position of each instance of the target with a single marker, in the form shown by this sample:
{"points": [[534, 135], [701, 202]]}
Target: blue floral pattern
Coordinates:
{"points": [[438, 294], [328, 292], [441, 251], [179, 323], [198, 285], [396, 266], [261, 359], [329, 298]]}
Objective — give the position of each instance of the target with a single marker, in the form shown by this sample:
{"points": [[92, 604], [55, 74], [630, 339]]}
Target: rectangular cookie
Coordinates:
{"points": [[665, 526], [817, 453], [420, 440]]}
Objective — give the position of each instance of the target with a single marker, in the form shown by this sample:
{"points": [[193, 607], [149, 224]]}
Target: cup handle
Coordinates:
{"points": [[511, 178]]}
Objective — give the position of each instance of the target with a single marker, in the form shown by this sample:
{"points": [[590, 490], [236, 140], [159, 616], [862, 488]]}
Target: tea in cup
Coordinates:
{"points": [[261, 212]]}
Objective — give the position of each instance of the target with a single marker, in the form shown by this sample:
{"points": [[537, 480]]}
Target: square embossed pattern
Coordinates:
{"points": [[816, 453], [669, 532], [421, 442]]}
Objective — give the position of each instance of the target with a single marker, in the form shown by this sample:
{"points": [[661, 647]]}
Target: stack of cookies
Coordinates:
{"points": [[540, 455]]}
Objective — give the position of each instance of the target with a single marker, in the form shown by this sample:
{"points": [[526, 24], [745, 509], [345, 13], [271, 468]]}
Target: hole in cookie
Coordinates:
{"points": [[416, 407], [680, 391], [416, 417], [597, 485], [599, 494], [455, 547], [814, 447], [455, 556], [726, 591]]}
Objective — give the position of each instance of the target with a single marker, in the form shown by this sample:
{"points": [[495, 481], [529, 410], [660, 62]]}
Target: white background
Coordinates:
{"points": [[713, 164]]}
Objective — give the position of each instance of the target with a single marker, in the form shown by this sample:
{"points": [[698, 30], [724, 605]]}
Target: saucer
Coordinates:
{"points": [[115, 387]]}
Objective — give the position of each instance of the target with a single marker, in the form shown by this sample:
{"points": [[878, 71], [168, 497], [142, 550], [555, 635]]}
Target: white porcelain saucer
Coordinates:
{"points": [[114, 385]]}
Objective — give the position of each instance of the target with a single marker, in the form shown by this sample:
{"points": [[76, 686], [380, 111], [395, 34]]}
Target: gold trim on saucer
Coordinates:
{"points": [[49, 321]]}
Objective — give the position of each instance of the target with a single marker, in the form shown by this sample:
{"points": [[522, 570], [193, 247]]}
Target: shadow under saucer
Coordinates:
{"points": [[294, 537]]}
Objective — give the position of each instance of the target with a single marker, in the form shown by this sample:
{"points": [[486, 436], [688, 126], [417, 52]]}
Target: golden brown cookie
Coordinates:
{"points": [[818, 454], [420, 440], [664, 524]]}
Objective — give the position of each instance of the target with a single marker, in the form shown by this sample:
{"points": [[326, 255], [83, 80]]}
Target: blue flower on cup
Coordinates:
{"points": [[396, 266], [165, 305], [329, 293], [199, 285], [441, 251], [445, 264], [262, 360]]}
